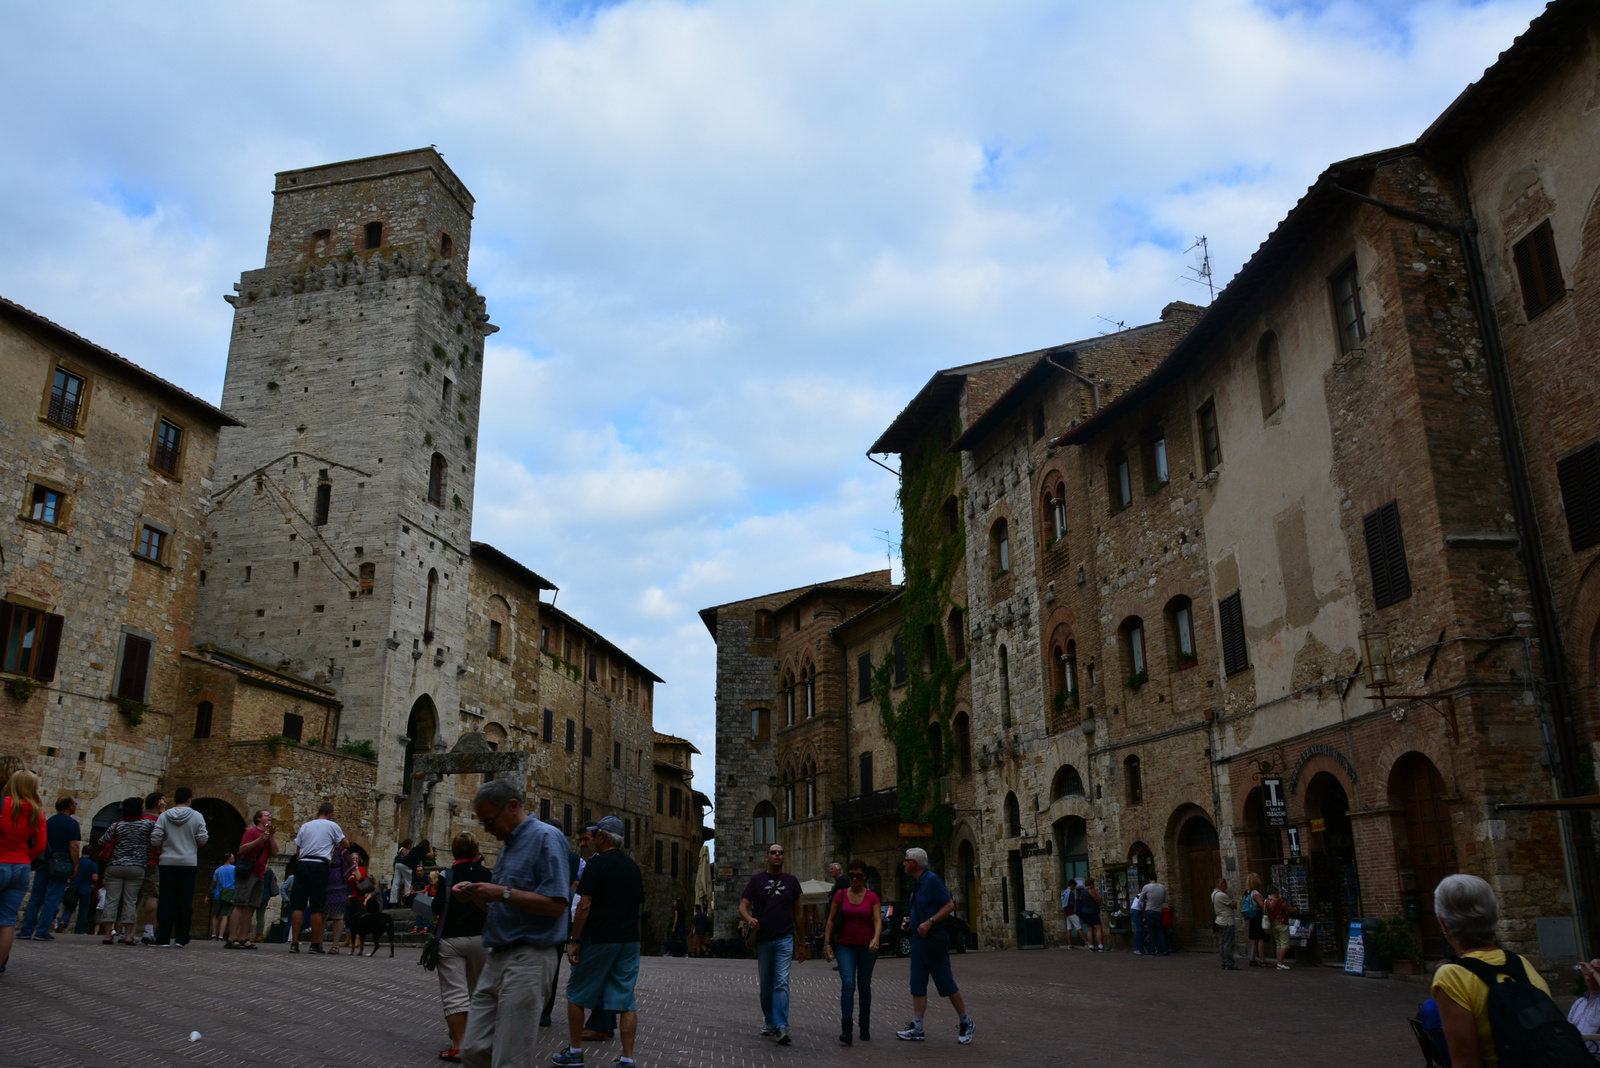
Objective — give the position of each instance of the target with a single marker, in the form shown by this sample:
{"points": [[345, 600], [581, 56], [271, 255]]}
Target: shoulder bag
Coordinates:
{"points": [[108, 845], [430, 948]]}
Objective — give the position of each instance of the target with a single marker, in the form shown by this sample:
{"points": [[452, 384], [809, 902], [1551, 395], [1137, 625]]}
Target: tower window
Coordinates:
{"points": [[446, 397], [374, 234], [368, 574], [321, 243], [324, 499], [427, 613], [436, 471], [447, 247]]}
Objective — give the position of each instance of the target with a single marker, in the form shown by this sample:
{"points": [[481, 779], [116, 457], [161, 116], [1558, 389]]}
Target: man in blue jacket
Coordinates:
{"points": [[931, 904]]}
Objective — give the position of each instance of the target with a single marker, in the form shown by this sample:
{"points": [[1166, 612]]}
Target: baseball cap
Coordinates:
{"points": [[610, 824]]}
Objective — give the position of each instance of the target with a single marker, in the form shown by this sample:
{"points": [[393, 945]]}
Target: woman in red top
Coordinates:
{"points": [[22, 841], [858, 917]]}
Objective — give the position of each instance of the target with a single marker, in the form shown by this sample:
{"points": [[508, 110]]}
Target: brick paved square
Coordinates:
{"points": [[75, 1002]]}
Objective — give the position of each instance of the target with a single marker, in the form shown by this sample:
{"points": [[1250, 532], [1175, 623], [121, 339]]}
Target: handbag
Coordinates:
{"points": [[108, 846], [1168, 918], [430, 948], [61, 865]]}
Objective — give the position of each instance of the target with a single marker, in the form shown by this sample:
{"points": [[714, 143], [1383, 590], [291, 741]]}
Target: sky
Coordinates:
{"points": [[725, 242]]}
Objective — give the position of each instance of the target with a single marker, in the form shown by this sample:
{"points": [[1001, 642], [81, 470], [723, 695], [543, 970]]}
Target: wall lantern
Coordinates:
{"points": [[1378, 657]]}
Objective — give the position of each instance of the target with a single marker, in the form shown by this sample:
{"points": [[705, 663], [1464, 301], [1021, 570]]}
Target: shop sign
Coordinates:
{"points": [[1034, 849], [1318, 825], [1273, 800], [916, 830], [724, 873], [1294, 841], [1355, 952]]}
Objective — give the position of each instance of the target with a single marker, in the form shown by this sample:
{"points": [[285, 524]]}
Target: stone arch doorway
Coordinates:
{"points": [[103, 819], [225, 826], [1072, 847], [1424, 840], [1199, 857], [967, 878], [422, 733], [1333, 882]]}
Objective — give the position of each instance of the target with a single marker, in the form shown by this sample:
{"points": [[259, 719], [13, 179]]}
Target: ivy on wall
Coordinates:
{"points": [[930, 553]]}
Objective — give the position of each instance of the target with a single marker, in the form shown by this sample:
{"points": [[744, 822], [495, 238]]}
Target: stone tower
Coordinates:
{"points": [[339, 542]]}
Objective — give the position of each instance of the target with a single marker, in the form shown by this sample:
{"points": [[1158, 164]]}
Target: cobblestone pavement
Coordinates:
{"points": [[75, 1002]]}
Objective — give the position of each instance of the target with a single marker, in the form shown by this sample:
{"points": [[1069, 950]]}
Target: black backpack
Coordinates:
{"points": [[1529, 1029]]}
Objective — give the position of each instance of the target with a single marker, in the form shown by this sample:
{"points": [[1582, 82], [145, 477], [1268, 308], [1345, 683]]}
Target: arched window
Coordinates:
{"points": [[961, 728], [1133, 781], [427, 612], [447, 247], [957, 640], [1069, 671], [495, 735], [1133, 658], [811, 789], [811, 691], [1269, 374], [1005, 684], [1054, 509], [1013, 817], [788, 700], [436, 473], [1067, 783], [1119, 479], [1180, 632], [999, 547], [765, 824], [788, 794]]}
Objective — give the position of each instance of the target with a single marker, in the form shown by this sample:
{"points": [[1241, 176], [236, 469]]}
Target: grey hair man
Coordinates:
{"points": [[931, 904], [604, 947], [841, 881], [526, 923]]}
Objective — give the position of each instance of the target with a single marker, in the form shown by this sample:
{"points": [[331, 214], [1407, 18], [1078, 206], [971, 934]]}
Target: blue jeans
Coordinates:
{"points": [[772, 964], [1155, 934], [1137, 916], [855, 967], [44, 901], [13, 884]]}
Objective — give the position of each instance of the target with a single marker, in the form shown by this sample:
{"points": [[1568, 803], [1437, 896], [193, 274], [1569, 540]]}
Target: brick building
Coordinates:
{"points": [[669, 849]]}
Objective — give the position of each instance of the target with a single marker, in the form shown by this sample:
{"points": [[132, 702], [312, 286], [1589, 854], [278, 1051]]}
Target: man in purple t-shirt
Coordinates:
{"points": [[771, 906]]}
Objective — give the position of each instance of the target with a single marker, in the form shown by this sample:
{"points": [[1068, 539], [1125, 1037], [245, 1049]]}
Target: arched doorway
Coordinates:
{"points": [[422, 732], [1072, 847], [224, 826], [1424, 841], [1335, 889], [102, 819], [967, 877], [1199, 868]]}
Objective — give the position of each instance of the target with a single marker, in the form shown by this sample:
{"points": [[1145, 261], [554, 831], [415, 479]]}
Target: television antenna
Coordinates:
{"points": [[887, 537], [1201, 273], [1119, 324]]}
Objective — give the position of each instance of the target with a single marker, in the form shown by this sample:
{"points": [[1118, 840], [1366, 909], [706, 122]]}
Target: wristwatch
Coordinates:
{"points": [[505, 895]]}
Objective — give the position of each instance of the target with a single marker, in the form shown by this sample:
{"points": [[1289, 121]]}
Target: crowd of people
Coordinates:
{"points": [[499, 936]]}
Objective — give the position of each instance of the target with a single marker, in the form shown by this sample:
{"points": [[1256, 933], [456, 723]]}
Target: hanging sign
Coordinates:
{"points": [[1273, 800], [1294, 841], [1318, 825], [916, 830]]}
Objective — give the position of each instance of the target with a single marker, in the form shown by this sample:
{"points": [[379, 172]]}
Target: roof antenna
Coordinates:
{"points": [[1120, 324], [888, 547], [1201, 274]]}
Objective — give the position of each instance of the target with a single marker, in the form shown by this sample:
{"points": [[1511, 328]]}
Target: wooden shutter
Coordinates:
{"points": [[1580, 496], [6, 612], [135, 667], [1235, 654], [49, 649], [1386, 556], [1538, 270]]}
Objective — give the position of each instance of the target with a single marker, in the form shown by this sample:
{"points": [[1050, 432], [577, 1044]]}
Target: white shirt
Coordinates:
{"points": [[317, 839]]}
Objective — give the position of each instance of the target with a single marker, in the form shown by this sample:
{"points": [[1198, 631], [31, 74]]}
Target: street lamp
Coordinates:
{"points": [[1378, 657]]}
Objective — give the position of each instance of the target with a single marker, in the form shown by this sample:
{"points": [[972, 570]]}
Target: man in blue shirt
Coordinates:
{"points": [[930, 904], [57, 867], [525, 926]]}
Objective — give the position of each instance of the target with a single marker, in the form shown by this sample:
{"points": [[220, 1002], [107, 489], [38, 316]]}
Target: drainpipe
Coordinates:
{"points": [[1091, 383], [1547, 617]]}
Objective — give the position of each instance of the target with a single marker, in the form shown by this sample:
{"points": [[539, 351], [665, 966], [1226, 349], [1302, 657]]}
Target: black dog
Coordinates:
{"points": [[374, 922]]}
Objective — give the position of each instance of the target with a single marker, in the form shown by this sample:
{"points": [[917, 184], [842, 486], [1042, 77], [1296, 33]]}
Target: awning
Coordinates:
{"points": [[1588, 802]]}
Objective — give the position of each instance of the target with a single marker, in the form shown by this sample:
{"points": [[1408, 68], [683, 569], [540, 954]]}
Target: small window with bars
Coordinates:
{"points": [[1386, 555], [168, 452], [1235, 653], [1348, 312], [66, 398], [1538, 270], [1579, 474]]}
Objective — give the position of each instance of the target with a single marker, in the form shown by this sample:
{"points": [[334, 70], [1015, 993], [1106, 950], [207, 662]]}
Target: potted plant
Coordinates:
{"points": [[19, 688]]}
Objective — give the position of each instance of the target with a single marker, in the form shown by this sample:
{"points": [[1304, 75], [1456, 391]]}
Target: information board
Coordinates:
{"points": [[1355, 952]]}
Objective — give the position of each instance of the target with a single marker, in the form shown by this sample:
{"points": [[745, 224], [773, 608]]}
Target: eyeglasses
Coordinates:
{"points": [[489, 822], [858, 875], [774, 852]]}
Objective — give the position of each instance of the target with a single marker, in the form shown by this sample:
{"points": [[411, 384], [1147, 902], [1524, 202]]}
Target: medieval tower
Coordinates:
{"points": [[338, 548]]}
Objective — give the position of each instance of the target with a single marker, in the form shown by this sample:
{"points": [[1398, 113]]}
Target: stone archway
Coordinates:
{"points": [[224, 828], [422, 733], [1199, 866]]}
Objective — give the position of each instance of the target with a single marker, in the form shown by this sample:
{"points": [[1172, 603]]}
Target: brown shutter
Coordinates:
{"points": [[49, 649], [1235, 653], [6, 612], [1386, 556], [1580, 497], [1538, 270], [135, 667]]}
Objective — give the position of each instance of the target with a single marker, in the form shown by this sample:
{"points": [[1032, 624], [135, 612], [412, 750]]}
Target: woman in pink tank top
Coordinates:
{"points": [[858, 917]]}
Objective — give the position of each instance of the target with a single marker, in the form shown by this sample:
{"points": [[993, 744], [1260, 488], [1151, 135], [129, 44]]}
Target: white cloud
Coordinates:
{"points": [[727, 242]]}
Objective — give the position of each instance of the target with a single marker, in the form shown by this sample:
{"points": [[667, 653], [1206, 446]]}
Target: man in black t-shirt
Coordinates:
{"points": [[771, 907], [604, 950]]}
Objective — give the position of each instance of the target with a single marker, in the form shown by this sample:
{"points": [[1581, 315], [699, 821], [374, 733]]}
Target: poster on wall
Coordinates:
{"points": [[1355, 953]]}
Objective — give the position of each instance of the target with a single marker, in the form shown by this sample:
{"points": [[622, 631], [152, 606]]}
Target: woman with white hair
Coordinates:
{"points": [[1466, 908]]}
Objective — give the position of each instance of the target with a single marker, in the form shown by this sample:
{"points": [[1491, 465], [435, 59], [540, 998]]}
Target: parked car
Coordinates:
{"points": [[898, 942]]}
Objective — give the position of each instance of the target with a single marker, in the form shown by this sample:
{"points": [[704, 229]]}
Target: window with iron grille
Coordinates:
{"points": [[544, 810], [1538, 270], [169, 443], [1347, 310], [1580, 495], [1386, 555], [66, 399], [30, 640], [1235, 653]]}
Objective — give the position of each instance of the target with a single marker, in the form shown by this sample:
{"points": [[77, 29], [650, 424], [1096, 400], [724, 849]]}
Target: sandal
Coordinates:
{"points": [[108, 941], [450, 1055]]}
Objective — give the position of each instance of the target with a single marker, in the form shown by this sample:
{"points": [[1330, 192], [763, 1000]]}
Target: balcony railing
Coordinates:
{"points": [[875, 805]]}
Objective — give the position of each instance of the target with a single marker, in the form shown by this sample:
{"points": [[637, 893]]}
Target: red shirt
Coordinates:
{"points": [[855, 921], [258, 859], [21, 840]]}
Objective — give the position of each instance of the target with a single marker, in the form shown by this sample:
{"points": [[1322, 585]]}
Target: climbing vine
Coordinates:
{"points": [[932, 544]]}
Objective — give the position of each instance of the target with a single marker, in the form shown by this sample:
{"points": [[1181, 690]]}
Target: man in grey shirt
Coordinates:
{"points": [[525, 927], [1155, 899]]}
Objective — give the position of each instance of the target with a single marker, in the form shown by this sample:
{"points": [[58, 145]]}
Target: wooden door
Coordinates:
{"points": [[1430, 848], [1200, 857]]}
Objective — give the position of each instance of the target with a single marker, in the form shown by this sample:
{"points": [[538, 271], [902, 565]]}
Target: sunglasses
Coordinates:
{"points": [[858, 875], [774, 852]]}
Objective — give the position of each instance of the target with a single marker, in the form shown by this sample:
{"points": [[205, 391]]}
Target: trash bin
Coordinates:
{"points": [[1372, 950], [1030, 930]]}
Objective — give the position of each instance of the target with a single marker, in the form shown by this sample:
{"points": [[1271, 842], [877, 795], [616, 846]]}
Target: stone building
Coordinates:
{"points": [[782, 717], [1328, 543], [669, 854]]}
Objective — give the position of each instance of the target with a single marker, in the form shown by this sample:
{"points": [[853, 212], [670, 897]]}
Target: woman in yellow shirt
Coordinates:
{"points": [[1468, 911]]}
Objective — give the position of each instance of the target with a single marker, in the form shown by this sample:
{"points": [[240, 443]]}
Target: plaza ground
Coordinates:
{"points": [[75, 1002]]}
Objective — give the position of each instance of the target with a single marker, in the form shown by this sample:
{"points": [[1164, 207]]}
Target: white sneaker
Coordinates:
{"points": [[1284, 968]]}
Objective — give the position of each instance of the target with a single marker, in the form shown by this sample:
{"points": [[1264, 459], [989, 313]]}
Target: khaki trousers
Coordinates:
{"points": [[503, 1021]]}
